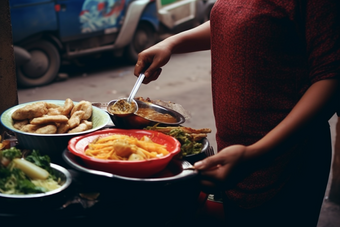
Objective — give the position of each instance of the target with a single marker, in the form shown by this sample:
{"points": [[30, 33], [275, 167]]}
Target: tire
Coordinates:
{"points": [[145, 36], [43, 67]]}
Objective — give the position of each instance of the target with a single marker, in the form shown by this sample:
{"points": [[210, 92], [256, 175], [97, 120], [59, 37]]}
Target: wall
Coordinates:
{"points": [[8, 85]]}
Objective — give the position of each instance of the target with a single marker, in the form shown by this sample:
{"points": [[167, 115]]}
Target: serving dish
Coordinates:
{"points": [[39, 201], [205, 152], [168, 195], [136, 168], [50, 144], [135, 121], [176, 170]]}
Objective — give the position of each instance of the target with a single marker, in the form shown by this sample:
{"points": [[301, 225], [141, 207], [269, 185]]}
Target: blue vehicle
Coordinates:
{"points": [[45, 32]]}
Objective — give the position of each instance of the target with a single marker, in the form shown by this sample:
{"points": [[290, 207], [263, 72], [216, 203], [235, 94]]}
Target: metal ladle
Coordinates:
{"points": [[128, 105]]}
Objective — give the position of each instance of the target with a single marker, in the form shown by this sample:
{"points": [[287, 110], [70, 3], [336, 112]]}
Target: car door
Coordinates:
{"points": [[30, 17], [86, 18]]}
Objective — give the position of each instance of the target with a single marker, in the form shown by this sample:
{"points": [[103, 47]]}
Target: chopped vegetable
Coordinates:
{"points": [[31, 170], [25, 176], [14, 181], [188, 145], [188, 137], [7, 155], [11, 153], [42, 161]]}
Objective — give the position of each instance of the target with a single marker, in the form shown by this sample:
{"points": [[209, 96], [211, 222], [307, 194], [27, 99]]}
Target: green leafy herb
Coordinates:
{"points": [[13, 179], [11, 153], [42, 161]]}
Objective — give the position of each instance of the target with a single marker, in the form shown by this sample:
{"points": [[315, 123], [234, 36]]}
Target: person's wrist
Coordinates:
{"points": [[250, 152]]}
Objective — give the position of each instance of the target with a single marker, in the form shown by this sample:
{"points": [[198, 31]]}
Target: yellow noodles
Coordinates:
{"points": [[123, 147], [49, 184]]}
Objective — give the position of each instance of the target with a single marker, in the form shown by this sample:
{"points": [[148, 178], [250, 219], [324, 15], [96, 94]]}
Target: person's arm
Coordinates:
{"points": [[152, 59], [317, 104], [195, 39]]}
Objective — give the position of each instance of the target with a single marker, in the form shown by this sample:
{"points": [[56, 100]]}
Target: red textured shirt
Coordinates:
{"points": [[265, 55]]}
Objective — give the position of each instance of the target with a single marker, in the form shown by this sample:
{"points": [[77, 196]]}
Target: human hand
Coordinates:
{"points": [[151, 60], [217, 171]]}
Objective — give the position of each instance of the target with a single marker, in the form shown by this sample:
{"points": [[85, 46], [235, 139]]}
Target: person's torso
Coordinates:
{"points": [[259, 67]]}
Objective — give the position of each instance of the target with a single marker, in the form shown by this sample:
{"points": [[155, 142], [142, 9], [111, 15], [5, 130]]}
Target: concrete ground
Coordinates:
{"points": [[185, 80]]}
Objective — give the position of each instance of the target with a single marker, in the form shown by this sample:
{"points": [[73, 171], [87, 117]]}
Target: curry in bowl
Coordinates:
{"points": [[148, 114], [154, 115]]}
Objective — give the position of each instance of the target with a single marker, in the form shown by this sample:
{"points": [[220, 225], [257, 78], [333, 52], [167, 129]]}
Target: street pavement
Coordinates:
{"points": [[185, 80]]}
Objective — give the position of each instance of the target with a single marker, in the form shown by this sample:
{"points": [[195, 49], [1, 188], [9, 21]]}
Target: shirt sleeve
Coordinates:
{"points": [[322, 32]]}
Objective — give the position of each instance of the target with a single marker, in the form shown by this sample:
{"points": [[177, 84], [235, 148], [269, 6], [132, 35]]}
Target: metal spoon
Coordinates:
{"points": [[136, 87], [127, 106]]}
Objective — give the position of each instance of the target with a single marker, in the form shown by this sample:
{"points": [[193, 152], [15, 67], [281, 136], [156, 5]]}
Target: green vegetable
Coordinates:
{"points": [[42, 161], [11, 153], [15, 181], [188, 145]]}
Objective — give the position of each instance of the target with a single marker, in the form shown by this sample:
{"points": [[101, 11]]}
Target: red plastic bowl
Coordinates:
{"points": [[144, 168]]}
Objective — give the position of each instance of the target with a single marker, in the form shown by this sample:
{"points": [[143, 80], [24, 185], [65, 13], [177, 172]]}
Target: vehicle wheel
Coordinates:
{"points": [[144, 37], [42, 68]]}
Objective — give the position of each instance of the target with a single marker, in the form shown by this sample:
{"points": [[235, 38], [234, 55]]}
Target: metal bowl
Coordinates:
{"points": [[135, 121], [40, 201], [192, 158], [171, 193]]}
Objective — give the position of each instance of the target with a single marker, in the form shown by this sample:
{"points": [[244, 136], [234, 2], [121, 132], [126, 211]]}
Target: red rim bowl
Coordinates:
{"points": [[144, 168]]}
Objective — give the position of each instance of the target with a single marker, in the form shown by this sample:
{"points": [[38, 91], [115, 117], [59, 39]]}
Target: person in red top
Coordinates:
{"points": [[275, 85]]}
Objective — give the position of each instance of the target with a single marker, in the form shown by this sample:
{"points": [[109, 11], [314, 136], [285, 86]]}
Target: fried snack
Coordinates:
{"points": [[196, 134], [5, 144], [85, 106], [68, 106], [75, 118], [88, 123], [184, 129], [49, 119], [30, 111], [55, 111], [47, 129], [34, 116], [30, 128], [19, 124], [51, 105], [83, 126], [63, 128]]}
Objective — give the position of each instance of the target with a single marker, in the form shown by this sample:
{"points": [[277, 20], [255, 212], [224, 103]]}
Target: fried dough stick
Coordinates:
{"points": [[49, 119], [19, 124], [198, 136], [85, 106], [30, 111], [184, 129], [68, 106]]}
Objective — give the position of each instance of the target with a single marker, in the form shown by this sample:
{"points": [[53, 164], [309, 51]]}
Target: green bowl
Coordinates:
{"points": [[50, 144]]}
